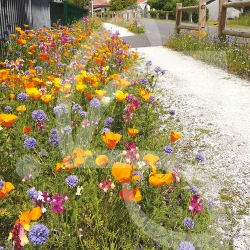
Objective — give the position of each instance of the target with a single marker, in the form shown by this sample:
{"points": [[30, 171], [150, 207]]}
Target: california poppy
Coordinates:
{"points": [[133, 132], [111, 139], [122, 172], [8, 119], [120, 96], [102, 160], [27, 129], [6, 189], [21, 108], [174, 136], [26, 217], [160, 179], [151, 159], [130, 195]]}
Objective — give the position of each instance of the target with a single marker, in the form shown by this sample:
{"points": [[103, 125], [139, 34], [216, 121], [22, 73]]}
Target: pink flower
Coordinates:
{"points": [[196, 206], [106, 185]]}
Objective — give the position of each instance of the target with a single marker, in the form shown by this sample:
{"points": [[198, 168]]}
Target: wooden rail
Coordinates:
{"points": [[222, 31], [201, 21]]}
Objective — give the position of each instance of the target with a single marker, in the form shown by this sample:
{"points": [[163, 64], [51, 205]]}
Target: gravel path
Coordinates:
{"points": [[214, 108]]}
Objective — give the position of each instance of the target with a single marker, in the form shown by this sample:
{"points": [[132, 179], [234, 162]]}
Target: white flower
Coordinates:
{"points": [[105, 99], [141, 164], [79, 189]]}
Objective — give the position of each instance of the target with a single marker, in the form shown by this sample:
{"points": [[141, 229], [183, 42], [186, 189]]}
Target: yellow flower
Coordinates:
{"points": [[100, 93], [151, 159], [174, 136], [6, 189], [122, 172], [21, 108], [80, 87], [12, 96], [120, 96], [47, 98], [33, 93], [160, 179]]}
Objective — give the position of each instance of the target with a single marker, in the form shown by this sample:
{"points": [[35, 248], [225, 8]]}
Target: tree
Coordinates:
{"points": [[117, 5], [170, 4], [80, 3]]}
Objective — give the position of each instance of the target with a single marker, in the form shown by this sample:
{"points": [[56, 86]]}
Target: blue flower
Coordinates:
{"points": [[68, 129], [39, 115], [109, 121], [105, 130], [82, 113], [7, 108], [168, 150], [189, 223], [38, 68], [39, 234], [54, 138], [76, 107], [1, 184], [22, 96], [148, 63], [171, 111], [29, 142], [4, 87], [60, 109], [1, 248], [194, 190], [71, 181], [95, 103], [143, 80], [186, 245], [33, 194], [199, 157]]}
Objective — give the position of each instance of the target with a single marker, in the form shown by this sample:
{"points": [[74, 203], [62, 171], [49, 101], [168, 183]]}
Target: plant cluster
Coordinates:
{"points": [[83, 162], [231, 54]]}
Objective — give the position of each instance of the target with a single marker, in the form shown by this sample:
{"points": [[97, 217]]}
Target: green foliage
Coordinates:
{"points": [[80, 3], [231, 54], [116, 5]]}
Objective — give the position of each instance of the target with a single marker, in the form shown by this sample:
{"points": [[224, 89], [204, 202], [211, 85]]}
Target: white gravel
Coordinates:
{"points": [[214, 108]]}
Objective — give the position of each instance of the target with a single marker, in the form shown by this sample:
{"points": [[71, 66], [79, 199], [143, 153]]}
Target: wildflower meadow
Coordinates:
{"points": [[84, 164]]}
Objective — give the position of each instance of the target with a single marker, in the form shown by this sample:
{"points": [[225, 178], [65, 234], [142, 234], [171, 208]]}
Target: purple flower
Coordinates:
{"points": [[1, 184], [29, 142], [211, 203], [33, 194], [4, 87], [172, 112], [7, 108], [77, 107], [109, 121], [143, 80], [82, 113], [196, 206], [199, 157], [157, 69], [186, 245], [95, 103], [85, 123], [22, 96], [189, 223], [38, 68], [105, 130], [194, 189], [138, 173], [60, 109], [71, 181], [38, 234], [68, 129], [54, 138], [39, 115], [168, 150], [148, 63], [1, 248]]}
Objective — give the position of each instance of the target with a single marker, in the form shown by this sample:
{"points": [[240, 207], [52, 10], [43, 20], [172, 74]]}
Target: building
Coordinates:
{"points": [[101, 5], [143, 4], [213, 6]]}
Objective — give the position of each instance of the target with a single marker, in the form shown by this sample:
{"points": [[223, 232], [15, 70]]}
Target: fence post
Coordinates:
{"points": [[222, 19], [167, 16], [202, 17], [138, 17], [178, 17], [190, 17], [157, 15]]}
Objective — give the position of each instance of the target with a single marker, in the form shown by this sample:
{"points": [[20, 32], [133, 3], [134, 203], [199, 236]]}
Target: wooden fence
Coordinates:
{"points": [[222, 31], [127, 15], [201, 21]]}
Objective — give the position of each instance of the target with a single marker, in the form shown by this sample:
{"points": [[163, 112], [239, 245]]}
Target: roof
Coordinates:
{"points": [[141, 1], [100, 3]]}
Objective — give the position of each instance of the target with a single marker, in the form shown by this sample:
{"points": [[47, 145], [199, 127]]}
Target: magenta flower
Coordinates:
{"points": [[106, 185], [57, 206], [196, 206]]}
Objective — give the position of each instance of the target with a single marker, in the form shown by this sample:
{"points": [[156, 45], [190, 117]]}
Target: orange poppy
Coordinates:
{"points": [[8, 119], [122, 172], [102, 160], [47, 98], [43, 56], [21, 41], [4, 73], [151, 159], [78, 152], [133, 195], [27, 129], [174, 136], [133, 132], [26, 217], [6, 189], [26, 26], [160, 179], [89, 96], [78, 161], [111, 139], [12, 96]]}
